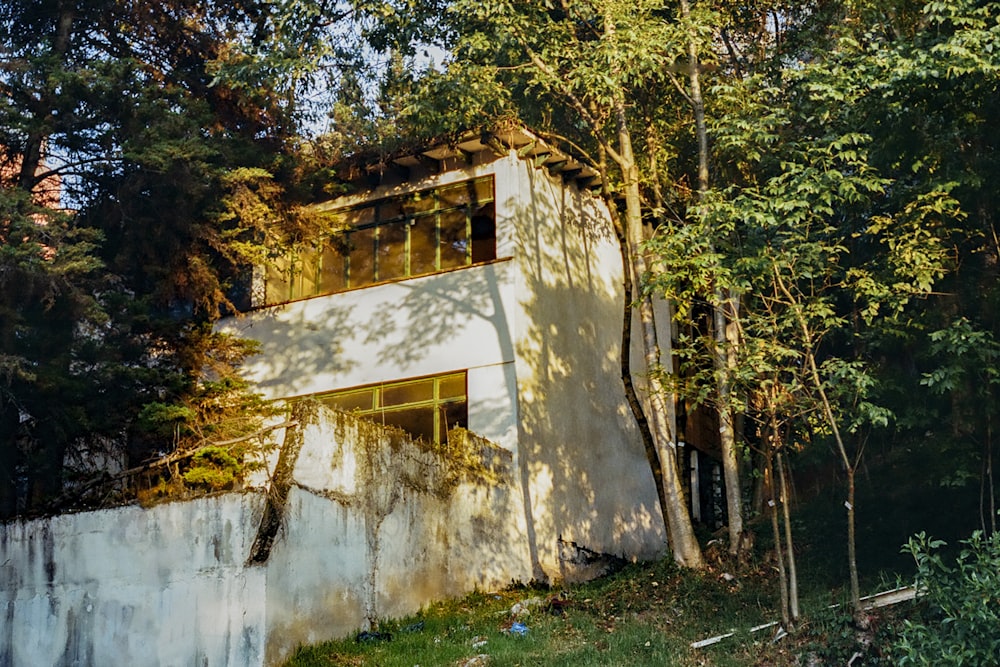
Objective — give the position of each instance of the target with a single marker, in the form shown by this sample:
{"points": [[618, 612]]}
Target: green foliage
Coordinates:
{"points": [[970, 358], [163, 419], [126, 219], [213, 469], [961, 604]]}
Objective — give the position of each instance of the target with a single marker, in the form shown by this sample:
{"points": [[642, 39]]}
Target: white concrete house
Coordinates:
{"points": [[479, 285]]}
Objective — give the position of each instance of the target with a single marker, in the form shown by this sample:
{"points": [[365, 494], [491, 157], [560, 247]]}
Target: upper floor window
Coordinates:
{"points": [[387, 239]]}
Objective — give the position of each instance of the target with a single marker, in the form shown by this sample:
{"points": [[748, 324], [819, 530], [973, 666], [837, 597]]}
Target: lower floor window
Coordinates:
{"points": [[426, 408]]}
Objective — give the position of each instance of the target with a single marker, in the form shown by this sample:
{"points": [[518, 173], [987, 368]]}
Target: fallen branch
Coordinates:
{"points": [[875, 601], [188, 453], [82, 489]]}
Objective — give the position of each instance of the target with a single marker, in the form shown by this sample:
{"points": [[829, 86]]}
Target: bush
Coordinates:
{"points": [[213, 469], [961, 604]]}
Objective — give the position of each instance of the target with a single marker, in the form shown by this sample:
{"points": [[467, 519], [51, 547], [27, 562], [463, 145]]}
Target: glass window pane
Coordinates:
{"points": [[483, 190], [333, 276], [359, 217], [410, 404], [451, 386], [307, 278], [423, 245], [392, 251], [391, 209], [452, 415], [362, 257], [411, 392], [362, 400], [420, 202], [418, 422], [453, 196], [454, 243], [484, 234]]}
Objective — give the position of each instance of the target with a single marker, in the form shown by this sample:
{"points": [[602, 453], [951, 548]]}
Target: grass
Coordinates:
{"points": [[645, 614]]}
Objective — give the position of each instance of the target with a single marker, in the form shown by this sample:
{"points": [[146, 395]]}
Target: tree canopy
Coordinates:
{"points": [[146, 151]]}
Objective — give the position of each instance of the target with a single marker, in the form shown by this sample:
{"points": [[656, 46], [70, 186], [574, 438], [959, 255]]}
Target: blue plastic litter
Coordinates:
{"points": [[518, 628]]}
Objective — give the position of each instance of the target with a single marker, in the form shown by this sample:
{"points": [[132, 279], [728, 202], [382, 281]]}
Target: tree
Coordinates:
{"points": [[830, 244], [117, 103], [573, 71]]}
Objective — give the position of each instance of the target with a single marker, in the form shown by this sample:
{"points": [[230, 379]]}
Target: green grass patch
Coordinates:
{"points": [[646, 614]]}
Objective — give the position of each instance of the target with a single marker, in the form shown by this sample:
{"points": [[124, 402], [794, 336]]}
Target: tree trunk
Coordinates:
{"points": [[779, 558], [625, 363], [723, 333], [831, 420], [686, 549], [793, 576], [727, 433]]}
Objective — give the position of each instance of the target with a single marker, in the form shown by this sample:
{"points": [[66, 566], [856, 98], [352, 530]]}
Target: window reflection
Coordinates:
{"points": [[454, 239], [361, 264], [391, 250], [423, 245]]}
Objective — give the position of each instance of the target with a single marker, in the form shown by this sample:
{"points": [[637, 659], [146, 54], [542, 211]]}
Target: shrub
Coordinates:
{"points": [[213, 468], [961, 604]]}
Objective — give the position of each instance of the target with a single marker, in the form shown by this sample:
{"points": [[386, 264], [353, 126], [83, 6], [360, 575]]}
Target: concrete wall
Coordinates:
{"points": [[127, 586], [373, 526], [376, 526]]}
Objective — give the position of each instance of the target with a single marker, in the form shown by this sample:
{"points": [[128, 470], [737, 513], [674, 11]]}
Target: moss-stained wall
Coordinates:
{"points": [[393, 522], [131, 586], [373, 525]]}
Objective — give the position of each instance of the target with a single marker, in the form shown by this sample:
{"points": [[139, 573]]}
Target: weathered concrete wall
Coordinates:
{"points": [[374, 525], [128, 586]]}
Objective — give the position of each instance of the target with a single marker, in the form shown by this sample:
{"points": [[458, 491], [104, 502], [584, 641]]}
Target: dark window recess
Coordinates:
{"points": [[426, 408], [388, 239]]}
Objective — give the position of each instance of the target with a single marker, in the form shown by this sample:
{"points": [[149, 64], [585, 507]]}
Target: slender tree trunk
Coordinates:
{"points": [[793, 576], [772, 504], [850, 467], [625, 363], [727, 433], [722, 303], [685, 546]]}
